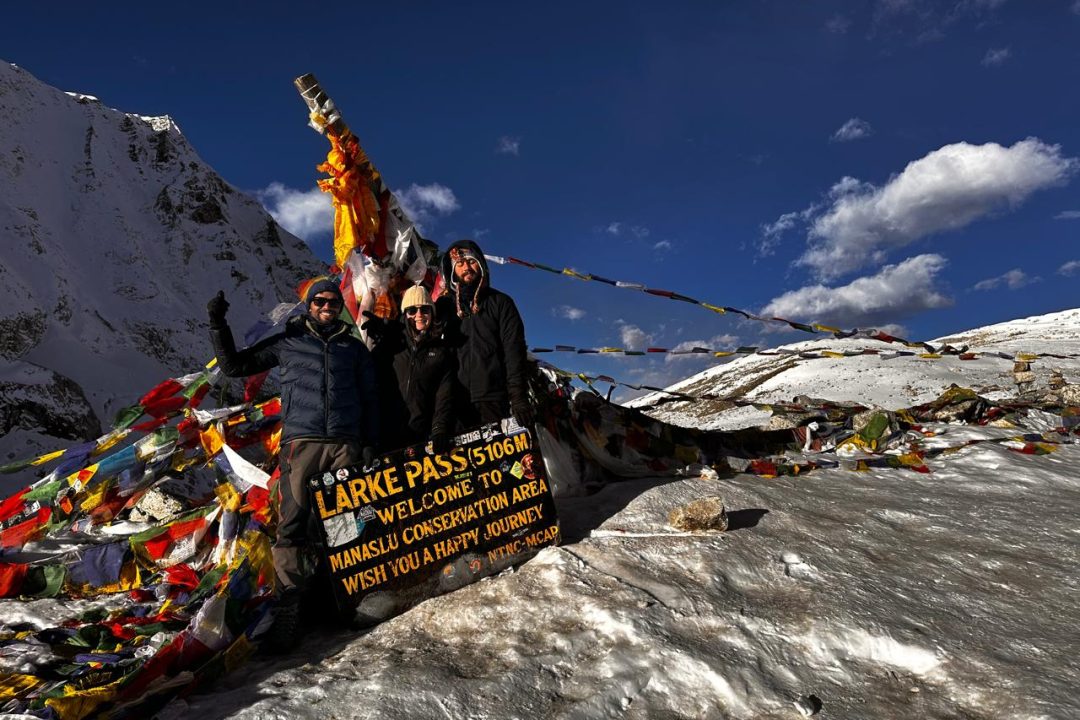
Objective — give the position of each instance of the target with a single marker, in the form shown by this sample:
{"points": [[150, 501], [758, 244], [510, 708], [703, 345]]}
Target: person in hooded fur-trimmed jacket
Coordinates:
{"points": [[485, 328], [329, 418], [415, 374]]}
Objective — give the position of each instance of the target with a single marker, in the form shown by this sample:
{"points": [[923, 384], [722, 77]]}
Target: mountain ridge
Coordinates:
{"points": [[116, 233]]}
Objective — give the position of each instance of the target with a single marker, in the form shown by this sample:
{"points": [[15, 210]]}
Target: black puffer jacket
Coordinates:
{"points": [[327, 378], [416, 385], [490, 344]]}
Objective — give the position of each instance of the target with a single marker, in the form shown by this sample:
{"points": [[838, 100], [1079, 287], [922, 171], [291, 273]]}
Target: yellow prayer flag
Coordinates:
{"points": [[47, 457], [212, 440], [78, 704], [15, 684], [227, 496], [110, 440]]}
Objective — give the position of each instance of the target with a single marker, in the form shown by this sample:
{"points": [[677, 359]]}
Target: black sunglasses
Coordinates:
{"points": [[410, 311], [330, 302]]}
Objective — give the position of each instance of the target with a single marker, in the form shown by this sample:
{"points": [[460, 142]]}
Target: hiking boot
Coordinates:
{"points": [[284, 632]]}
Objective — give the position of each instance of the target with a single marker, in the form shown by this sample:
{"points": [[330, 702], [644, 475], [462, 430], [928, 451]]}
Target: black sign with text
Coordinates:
{"points": [[418, 525]]}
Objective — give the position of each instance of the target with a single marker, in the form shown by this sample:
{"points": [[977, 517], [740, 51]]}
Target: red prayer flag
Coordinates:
{"points": [[165, 406], [12, 505], [164, 390], [22, 533], [11, 578], [253, 384], [157, 546]]}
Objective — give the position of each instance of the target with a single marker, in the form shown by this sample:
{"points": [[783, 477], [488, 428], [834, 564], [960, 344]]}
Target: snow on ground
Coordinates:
{"points": [[884, 594], [879, 381]]}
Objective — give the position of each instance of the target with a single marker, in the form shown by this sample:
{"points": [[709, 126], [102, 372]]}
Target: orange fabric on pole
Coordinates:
{"points": [[356, 209]]}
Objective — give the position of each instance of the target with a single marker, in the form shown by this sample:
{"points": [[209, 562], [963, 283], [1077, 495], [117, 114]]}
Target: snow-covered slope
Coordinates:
{"points": [[881, 594], [875, 379], [114, 235]]}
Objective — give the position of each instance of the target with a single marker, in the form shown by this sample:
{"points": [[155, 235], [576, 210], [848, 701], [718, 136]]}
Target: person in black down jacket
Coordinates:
{"points": [[328, 414], [485, 329], [415, 373]]}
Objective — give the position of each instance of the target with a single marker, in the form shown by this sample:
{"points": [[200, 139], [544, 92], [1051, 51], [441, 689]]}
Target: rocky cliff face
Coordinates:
{"points": [[114, 235]]}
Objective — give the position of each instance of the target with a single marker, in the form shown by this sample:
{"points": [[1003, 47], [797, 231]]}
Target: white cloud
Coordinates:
{"points": [[1076, 7], [568, 312], [662, 245], [996, 56], [621, 228], [508, 145], [1070, 268], [929, 19], [716, 342], [895, 292], [947, 189], [424, 203], [1014, 279], [1068, 214], [633, 337], [853, 129], [771, 233], [838, 24], [304, 213]]}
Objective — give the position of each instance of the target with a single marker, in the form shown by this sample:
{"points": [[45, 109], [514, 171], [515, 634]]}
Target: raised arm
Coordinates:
{"points": [[237, 363]]}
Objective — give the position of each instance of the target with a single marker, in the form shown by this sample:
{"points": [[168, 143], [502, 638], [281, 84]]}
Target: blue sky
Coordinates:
{"points": [[909, 164]]}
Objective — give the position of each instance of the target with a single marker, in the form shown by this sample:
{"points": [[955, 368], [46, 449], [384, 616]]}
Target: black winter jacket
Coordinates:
{"points": [[327, 381], [490, 345], [416, 385]]}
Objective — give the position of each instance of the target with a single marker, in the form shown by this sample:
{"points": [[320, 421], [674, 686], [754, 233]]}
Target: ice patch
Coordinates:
{"points": [[855, 644], [795, 567]]}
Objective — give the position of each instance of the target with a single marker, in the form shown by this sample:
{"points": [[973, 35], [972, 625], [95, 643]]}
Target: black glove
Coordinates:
{"points": [[374, 326], [441, 443], [367, 456], [217, 308], [523, 413]]}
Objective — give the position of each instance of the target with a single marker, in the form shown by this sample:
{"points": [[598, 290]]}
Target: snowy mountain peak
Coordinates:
{"points": [[115, 235], [161, 123]]}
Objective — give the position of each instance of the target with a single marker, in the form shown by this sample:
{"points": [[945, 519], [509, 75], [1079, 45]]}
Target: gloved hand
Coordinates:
{"points": [[367, 456], [217, 308], [440, 443], [523, 412], [374, 326]]}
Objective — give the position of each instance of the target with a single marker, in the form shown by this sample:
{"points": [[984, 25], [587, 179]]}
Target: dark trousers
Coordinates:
{"points": [[300, 459]]}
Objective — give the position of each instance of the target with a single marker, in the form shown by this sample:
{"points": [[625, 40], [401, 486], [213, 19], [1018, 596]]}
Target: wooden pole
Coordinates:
{"points": [[319, 103]]}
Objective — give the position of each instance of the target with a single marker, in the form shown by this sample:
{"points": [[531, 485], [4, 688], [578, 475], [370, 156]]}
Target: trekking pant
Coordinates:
{"points": [[300, 459]]}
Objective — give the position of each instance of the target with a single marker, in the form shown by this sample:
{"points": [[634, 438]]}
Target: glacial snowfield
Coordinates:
{"points": [[883, 594]]}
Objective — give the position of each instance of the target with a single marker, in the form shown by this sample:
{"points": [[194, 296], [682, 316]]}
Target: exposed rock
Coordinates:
{"points": [[48, 402], [156, 506], [20, 333], [703, 514]]}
